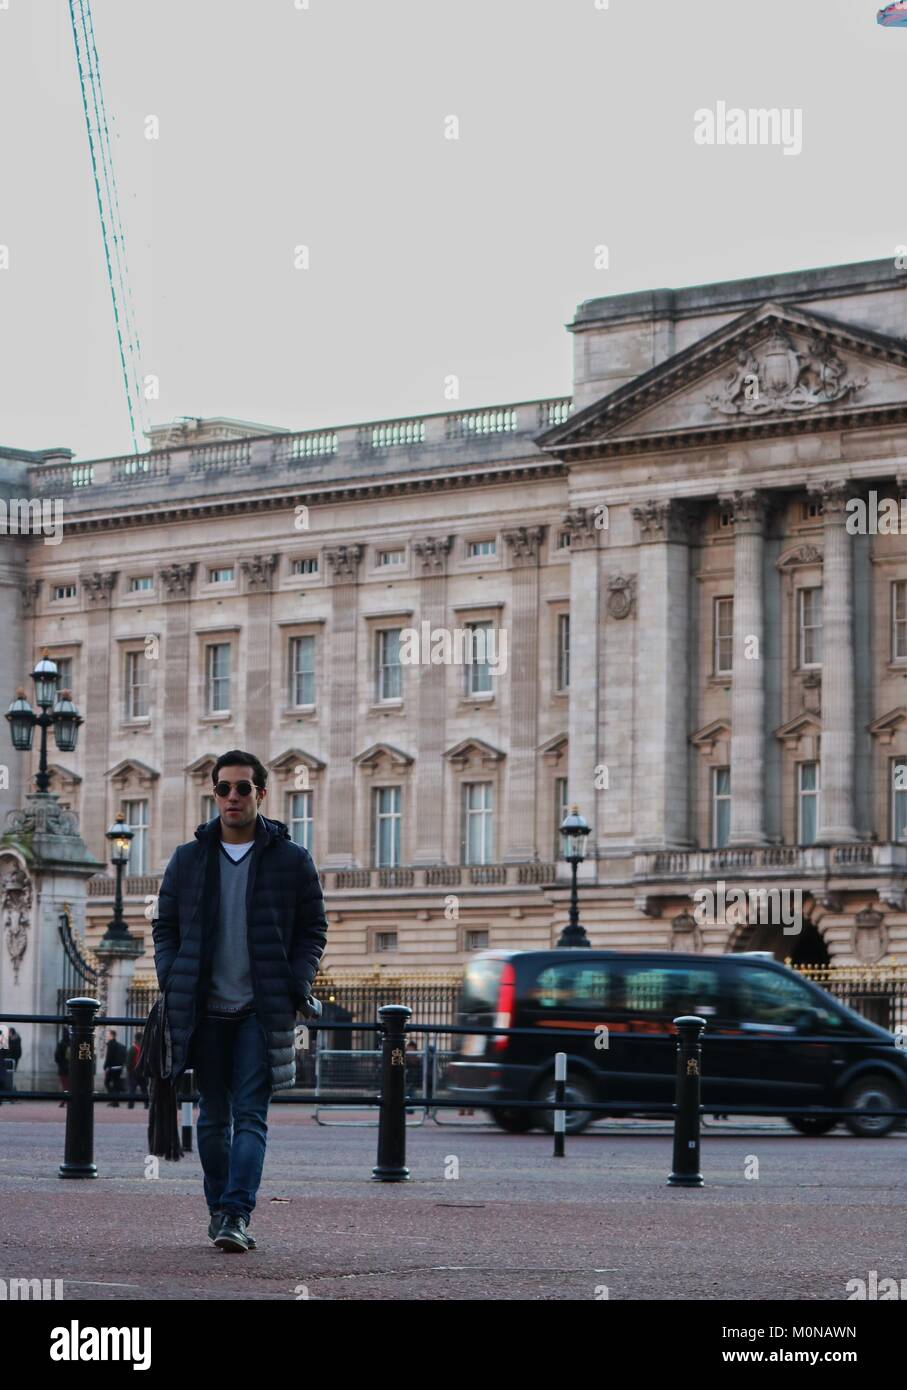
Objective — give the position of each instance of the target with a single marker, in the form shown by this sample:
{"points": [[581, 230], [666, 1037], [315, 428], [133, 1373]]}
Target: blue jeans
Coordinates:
{"points": [[233, 1078]]}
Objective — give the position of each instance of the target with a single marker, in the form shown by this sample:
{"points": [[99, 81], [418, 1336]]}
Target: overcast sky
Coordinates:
{"points": [[325, 127]]}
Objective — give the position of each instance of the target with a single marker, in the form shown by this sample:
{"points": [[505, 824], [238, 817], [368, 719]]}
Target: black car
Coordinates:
{"points": [[793, 1043]]}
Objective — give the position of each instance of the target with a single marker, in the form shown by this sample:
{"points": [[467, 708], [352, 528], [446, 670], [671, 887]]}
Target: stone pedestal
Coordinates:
{"points": [[44, 869]]}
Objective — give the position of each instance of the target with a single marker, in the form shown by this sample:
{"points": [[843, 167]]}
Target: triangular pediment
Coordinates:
{"points": [[710, 734], [293, 757], [131, 770], [806, 722], [775, 366], [473, 749], [382, 752], [887, 725]]}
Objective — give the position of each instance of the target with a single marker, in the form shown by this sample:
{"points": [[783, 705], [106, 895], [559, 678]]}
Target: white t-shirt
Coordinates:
{"points": [[237, 851]]}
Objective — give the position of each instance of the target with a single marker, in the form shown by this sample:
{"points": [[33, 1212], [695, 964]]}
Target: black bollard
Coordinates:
{"points": [[686, 1115], [391, 1165], [78, 1157]]}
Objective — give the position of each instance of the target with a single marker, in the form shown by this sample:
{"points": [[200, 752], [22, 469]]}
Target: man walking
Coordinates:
{"points": [[239, 932]]}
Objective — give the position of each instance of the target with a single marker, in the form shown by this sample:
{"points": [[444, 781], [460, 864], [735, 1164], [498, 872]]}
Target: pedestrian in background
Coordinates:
{"points": [[114, 1061], [61, 1060], [6, 1066], [133, 1080]]}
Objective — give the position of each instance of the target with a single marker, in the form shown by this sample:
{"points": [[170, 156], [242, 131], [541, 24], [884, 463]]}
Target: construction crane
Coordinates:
{"points": [[109, 208]]}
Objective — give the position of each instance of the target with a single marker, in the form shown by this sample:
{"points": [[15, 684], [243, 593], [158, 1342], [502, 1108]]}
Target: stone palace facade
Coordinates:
{"points": [[684, 636]]}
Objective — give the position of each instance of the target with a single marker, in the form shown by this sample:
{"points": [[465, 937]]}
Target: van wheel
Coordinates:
{"points": [[513, 1121], [869, 1093], [812, 1124], [575, 1121]]}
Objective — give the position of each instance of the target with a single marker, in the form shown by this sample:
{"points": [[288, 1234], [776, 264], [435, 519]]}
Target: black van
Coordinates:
{"points": [[802, 1046]]}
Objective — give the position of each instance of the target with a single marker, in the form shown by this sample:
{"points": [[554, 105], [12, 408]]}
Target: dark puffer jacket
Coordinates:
{"points": [[287, 933]]}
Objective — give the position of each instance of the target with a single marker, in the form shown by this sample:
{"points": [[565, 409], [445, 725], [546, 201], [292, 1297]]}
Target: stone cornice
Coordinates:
{"points": [[151, 512]]}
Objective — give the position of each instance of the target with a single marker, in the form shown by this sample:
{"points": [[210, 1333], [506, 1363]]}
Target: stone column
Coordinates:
{"points": [[748, 689], [524, 543], [173, 689], [431, 553], [100, 709], [836, 801], [583, 752], [662, 728], [18, 598], [343, 567], [258, 571]]}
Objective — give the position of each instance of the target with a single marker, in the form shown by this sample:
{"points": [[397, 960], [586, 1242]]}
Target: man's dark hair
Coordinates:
{"points": [[236, 758]]}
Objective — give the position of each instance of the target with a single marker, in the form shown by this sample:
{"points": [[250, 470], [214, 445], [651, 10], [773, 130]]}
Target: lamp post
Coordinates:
{"points": [[120, 836], [574, 829], [62, 716]]}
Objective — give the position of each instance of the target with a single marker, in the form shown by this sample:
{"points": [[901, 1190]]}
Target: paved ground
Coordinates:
{"points": [[514, 1224]]}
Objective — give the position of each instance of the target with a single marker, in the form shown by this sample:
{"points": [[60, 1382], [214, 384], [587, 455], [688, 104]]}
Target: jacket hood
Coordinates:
{"points": [[265, 829]]}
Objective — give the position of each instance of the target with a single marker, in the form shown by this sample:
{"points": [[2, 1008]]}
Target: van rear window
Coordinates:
{"points": [[480, 986]]}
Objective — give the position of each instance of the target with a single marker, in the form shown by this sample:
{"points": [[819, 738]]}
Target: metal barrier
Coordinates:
{"points": [[338, 1068], [395, 1099]]}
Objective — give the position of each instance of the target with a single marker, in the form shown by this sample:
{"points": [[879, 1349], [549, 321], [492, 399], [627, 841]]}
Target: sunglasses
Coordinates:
{"points": [[224, 788]]}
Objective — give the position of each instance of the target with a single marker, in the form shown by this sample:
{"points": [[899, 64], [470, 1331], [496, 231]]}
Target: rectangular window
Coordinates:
{"points": [[390, 557], [477, 823], [807, 802], [723, 627], [220, 576], [387, 827], [137, 820], [64, 669], [307, 565], [721, 806], [477, 941], [385, 941], [477, 669], [899, 620], [474, 549], [218, 678], [898, 799], [563, 540], [563, 651], [810, 624], [136, 685], [209, 809], [140, 583], [64, 591], [299, 818], [560, 810], [302, 671], [389, 673]]}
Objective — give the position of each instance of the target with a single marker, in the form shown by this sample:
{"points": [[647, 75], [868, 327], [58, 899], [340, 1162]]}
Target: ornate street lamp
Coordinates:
{"points": [[120, 836], [574, 829], [63, 716]]}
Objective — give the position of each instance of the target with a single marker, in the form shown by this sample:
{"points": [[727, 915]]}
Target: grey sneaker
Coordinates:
{"points": [[232, 1235]]}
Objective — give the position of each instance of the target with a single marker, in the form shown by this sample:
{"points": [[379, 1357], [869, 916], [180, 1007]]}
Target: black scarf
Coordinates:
{"points": [[154, 1066]]}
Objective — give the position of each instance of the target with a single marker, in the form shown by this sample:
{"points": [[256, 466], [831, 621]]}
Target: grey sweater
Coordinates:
{"points": [[231, 994]]}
